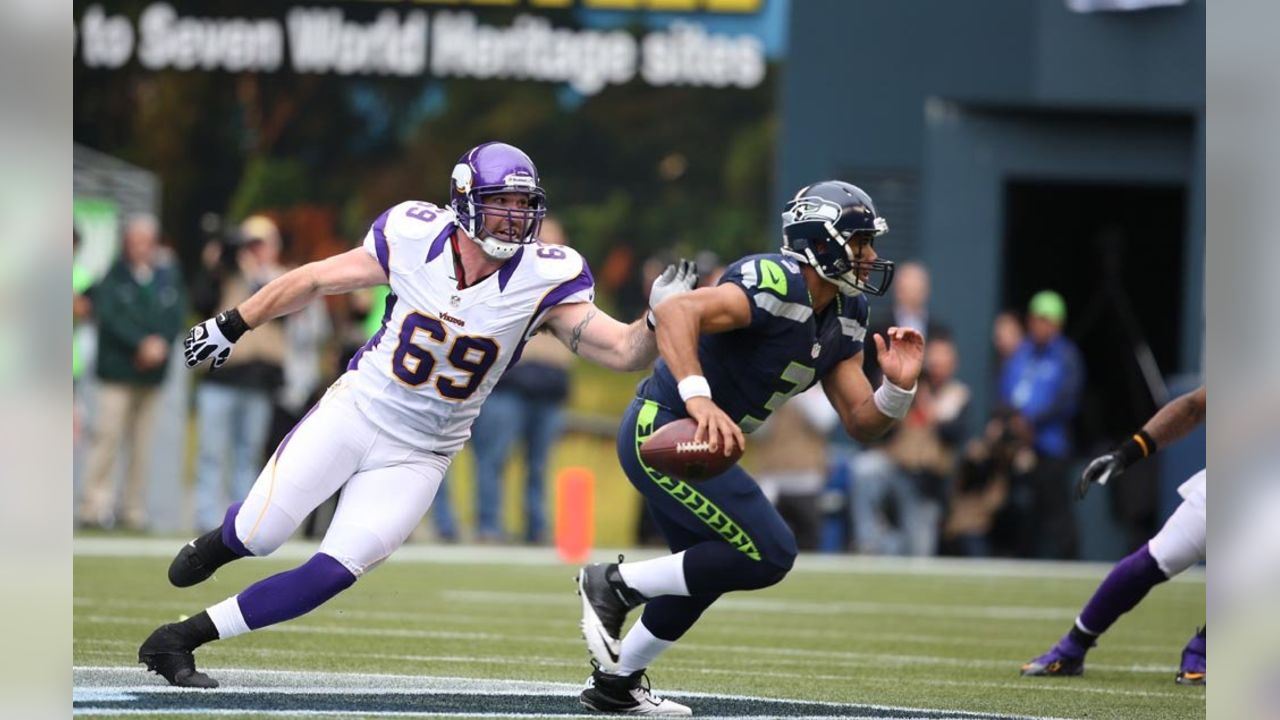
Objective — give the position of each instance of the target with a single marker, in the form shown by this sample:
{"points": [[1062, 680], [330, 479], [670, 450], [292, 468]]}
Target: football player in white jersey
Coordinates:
{"points": [[470, 284], [1179, 545]]}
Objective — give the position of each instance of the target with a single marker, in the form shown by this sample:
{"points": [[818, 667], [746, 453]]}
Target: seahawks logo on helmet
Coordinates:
{"points": [[807, 209]]}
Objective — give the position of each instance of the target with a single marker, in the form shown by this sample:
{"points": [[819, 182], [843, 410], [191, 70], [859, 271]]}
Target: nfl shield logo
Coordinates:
{"points": [[455, 301]]}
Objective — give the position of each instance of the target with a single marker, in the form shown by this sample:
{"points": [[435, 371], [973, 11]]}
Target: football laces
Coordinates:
{"points": [[692, 446]]}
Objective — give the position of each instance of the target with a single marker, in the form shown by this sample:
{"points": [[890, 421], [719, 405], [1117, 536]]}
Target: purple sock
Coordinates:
{"points": [[1127, 583], [296, 592], [229, 532]]}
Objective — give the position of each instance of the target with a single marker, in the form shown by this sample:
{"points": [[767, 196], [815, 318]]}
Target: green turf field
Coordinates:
{"points": [[942, 635]]}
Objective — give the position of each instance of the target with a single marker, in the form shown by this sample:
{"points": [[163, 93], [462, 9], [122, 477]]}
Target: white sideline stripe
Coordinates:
{"points": [[293, 682], [838, 657], [545, 556], [1056, 685], [792, 607], [567, 625]]}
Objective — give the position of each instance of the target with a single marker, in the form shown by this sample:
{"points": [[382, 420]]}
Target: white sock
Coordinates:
{"points": [[226, 616], [656, 577], [640, 648]]}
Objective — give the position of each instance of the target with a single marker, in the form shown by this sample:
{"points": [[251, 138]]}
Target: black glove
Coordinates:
{"points": [[1100, 470], [213, 337], [1112, 465]]}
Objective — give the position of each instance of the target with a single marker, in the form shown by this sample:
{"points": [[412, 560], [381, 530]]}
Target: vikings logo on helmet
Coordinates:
{"points": [[462, 178]]}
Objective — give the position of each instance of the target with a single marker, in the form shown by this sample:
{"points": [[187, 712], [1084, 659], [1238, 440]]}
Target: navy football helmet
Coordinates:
{"points": [[490, 169], [821, 227]]}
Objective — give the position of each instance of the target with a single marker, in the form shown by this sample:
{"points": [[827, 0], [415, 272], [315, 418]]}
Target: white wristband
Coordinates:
{"points": [[892, 400], [694, 386]]}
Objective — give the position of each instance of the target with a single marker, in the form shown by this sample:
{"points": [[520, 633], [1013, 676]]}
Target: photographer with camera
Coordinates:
{"points": [[234, 404]]}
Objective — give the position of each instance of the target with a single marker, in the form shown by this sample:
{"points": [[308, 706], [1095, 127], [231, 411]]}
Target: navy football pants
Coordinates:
{"points": [[733, 537]]}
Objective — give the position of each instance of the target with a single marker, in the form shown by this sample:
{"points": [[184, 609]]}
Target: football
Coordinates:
{"points": [[673, 451]]}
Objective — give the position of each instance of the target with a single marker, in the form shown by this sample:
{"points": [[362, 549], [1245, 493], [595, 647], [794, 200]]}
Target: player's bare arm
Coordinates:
{"points": [[352, 270], [590, 332], [1179, 417], [853, 397], [680, 321], [288, 293], [597, 336]]}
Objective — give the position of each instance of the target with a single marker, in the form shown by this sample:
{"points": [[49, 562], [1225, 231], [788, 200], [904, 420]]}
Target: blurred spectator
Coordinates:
{"points": [[81, 311], [789, 461], [140, 305], [1006, 335], [914, 466], [988, 469], [910, 309], [526, 404], [710, 268], [305, 379], [233, 405], [1042, 382]]}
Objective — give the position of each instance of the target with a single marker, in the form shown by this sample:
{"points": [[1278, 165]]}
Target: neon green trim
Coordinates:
{"points": [[772, 277], [694, 501]]}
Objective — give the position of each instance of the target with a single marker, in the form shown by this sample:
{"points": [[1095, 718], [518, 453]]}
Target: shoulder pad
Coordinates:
{"points": [[554, 263], [417, 221], [775, 273]]}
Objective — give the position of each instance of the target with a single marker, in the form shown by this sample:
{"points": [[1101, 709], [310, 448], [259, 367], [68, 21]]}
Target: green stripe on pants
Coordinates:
{"points": [[696, 502]]}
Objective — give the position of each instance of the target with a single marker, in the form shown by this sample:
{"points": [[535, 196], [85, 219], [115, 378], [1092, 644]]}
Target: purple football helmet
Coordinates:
{"points": [[487, 170]]}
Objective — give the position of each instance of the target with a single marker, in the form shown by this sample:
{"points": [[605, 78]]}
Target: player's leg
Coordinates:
{"points": [[378, 509], [1179, 545], [725, 535], [270, 516], [1194, 666], [321, 454], [705, 525]]}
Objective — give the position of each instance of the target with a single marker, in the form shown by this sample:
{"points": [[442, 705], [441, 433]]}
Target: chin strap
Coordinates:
{"points": [[497, 249]]}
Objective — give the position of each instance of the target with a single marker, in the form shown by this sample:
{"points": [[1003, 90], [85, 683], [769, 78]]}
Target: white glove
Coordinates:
{"points": [[205, 340], [678, 278]]}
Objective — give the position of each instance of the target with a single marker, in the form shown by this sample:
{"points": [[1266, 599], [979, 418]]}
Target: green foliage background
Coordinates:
{"points": [[653, 168]]}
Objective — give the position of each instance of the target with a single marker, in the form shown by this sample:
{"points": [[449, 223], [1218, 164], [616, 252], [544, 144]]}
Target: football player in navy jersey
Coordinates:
{"points": [[730, 355]]}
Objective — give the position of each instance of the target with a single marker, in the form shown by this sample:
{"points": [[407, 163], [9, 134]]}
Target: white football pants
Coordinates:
{"points": [[1181, 542], [387, 486]]}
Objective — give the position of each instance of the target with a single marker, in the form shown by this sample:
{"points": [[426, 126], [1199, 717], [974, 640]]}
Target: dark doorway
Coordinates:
{"points": [[1115, 253]]}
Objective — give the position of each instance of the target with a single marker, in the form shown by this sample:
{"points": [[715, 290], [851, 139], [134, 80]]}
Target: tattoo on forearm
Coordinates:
{"points": [[575, 337]]}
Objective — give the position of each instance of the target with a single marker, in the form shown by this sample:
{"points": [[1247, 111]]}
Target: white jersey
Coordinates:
{"points": [[423, 377]]}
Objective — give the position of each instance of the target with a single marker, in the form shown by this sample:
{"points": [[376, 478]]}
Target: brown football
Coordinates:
{"points": [[672, 450]]}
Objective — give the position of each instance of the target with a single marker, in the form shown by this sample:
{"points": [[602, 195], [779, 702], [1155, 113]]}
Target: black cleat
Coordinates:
{"points": [[627, 695], [606, 599], [166, 654], [199, 559]]}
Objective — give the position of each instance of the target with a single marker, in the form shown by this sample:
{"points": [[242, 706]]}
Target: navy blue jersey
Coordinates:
{"points": [[784, 351]]}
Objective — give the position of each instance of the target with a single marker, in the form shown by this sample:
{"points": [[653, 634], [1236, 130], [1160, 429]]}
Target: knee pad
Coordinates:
{"points": [[261, 527], [1181, 542], [775, 571], [357, 548]]}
